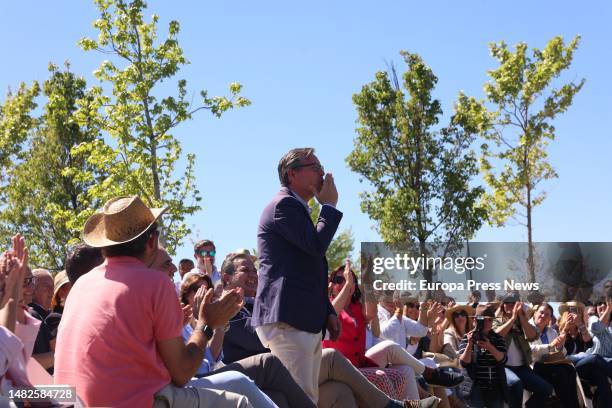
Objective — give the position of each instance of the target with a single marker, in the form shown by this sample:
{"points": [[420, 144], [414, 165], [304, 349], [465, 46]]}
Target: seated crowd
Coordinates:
{"points": [[118, 328]]}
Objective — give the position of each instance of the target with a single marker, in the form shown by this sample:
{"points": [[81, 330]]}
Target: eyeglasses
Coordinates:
{"points": [[207, 253], [460, 313], [316, 166], [338, 279], [413, 305], [29, 281]]}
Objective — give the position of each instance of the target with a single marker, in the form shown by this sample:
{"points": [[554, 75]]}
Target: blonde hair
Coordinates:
{"points": [[563, 320]]}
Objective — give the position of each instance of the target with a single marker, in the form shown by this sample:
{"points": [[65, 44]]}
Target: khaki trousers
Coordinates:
{"points": [[299, 351]]}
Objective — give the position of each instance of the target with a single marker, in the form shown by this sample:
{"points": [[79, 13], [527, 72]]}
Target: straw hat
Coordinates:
{"points": [[122, 220], [469, 310], [564, 307], [60, 280]]}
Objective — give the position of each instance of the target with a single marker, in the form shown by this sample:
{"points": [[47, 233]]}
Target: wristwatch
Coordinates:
{"points": [[207, 330]]}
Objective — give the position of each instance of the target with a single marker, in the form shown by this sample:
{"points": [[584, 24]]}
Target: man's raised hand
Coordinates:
{"points": [[328, 193]]}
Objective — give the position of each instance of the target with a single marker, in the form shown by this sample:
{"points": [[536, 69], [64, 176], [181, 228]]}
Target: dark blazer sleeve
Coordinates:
{"points": [[291, 221]]}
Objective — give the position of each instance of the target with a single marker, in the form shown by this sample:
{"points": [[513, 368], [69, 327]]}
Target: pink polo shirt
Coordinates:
{"points": [[106, 342]]}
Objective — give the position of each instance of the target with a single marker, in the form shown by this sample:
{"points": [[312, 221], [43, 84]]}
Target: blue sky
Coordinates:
{"points": [[300, 65]]}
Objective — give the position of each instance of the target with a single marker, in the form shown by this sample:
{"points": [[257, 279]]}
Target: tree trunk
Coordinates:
{"points": [[530, 261]]}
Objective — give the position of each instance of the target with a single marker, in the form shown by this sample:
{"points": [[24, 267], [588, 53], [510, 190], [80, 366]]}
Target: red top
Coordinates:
{"points": [[351, 342]]}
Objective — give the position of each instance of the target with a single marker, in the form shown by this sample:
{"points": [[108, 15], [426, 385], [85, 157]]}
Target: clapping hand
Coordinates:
{"points": [[13, 265], [434, 312], [217, 314], [517, 311], [9, 276]]}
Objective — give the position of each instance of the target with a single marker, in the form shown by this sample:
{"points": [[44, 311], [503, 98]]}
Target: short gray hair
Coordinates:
{"points": [[228, 264], [292, 159]]}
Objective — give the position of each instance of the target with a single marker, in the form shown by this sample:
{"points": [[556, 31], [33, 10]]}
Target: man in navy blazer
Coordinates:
{"points": [[292, 307]]}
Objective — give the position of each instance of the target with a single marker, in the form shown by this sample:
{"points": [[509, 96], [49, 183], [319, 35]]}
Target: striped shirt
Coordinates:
{"points": [[487, 371], [602, 337]]}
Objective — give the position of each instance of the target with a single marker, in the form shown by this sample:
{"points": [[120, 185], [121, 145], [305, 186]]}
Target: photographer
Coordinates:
{"points": [[483, 353]]}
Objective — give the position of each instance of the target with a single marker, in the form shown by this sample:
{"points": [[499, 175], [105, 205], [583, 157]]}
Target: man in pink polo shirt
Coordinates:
{"points": [[119, 340]]}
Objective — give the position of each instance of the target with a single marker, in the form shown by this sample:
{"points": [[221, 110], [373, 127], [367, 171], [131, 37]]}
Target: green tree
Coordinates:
{"points": [[144, 152], [420, 176], [515, 121], [341, 246], [43, 201], [16, 123]]}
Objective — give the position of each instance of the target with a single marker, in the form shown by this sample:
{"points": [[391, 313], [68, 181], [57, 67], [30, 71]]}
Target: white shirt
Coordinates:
{"points": [[215, 276], [539, 349], [394, 329], [515, 358]]}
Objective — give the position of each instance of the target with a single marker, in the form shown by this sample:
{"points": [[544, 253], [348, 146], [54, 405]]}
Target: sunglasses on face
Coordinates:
{"points": [[207, 253], [338, 279], [315, 166], [461, 313], [413, 306], [29, 281]]}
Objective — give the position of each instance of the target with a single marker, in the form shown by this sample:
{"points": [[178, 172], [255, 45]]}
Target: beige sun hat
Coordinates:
{"points": [[122, 220], [60, 280], [564, 307], [469, 310]]}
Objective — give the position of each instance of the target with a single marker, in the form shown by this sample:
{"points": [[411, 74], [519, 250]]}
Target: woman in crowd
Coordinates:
{"points": [[191, 286], [561, 375], [61, 288], [354, 315], [590, 367], [513, 325], [460, 320], [601, 330], [437, 326], [435, 322]]}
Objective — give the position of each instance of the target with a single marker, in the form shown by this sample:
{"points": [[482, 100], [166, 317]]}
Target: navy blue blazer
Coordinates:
{"points": [[292, 285]]}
